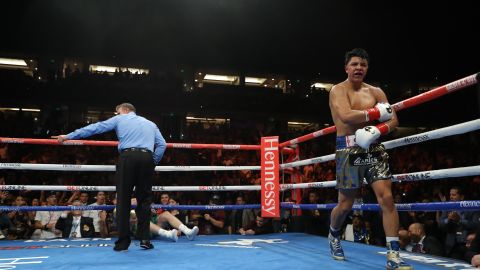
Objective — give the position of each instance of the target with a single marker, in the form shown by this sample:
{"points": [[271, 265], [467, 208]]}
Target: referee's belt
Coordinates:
{"points": [[136, 149]]}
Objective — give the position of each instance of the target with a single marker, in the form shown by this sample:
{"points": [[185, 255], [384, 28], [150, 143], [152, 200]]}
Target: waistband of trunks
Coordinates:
{"points": [[345, 141]]}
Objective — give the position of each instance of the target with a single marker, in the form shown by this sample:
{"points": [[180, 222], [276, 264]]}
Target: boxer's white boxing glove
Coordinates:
{"points": [[381, 112], [366, 136]]}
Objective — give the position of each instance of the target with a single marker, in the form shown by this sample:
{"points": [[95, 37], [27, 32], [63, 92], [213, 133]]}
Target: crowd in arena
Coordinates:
{"points": [[449, 233]]}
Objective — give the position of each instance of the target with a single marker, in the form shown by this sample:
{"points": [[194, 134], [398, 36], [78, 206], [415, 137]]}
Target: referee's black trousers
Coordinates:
{"points": [[134, 169]]}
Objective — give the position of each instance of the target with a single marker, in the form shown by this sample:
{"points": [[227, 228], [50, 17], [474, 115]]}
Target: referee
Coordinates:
{"points": [[141, 147]]}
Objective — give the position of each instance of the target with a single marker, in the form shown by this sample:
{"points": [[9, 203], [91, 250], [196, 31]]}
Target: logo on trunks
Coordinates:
{"points": [[367, 159], [416, 139]]}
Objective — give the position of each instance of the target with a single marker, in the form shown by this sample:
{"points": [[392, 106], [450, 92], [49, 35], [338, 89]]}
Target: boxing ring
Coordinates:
{"points": [[271, 251]]}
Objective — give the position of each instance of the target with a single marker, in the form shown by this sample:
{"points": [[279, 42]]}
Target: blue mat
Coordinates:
{"points": [[273, 251]]}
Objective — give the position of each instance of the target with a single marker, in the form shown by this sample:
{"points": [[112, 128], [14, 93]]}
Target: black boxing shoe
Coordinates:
{"points": [[121, 245], [146, 244]]}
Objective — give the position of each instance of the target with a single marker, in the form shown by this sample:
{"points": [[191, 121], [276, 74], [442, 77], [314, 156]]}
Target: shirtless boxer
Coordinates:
{"points": [[361, 114]]}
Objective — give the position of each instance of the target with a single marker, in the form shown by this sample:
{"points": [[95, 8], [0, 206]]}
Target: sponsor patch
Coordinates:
{"points": [[363, 159]]}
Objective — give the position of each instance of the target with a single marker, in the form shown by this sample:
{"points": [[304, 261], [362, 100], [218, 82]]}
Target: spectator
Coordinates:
{"points": [[73, 225], [423, 243], [77, 195], [314, 221], [5, 223], [45, 221], [20, 221], [239, 219], [95, 214], [360, 233], [473, 249], [259, 226], [456, 225], [212, 222]]}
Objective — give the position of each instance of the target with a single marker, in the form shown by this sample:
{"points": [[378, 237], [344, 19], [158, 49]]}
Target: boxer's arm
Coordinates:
{"points": [[389, 125], [371, 133], [367, 135], [340, 106]]}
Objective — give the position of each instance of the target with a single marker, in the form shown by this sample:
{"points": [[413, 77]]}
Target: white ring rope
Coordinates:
{"points": [[417, 138], [415, 176]]}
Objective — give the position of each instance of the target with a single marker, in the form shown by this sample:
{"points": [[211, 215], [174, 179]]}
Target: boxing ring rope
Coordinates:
{"points": [[115, 143], [111, 168], [436, 206], [410, 102], [415, 176], [417, 138]]}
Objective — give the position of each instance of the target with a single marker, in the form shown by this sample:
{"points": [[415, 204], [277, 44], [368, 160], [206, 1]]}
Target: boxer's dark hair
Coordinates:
{"points": [[357, 52]]}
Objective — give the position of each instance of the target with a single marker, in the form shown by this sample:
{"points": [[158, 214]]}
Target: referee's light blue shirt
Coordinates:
{"points": [[132, 131]]}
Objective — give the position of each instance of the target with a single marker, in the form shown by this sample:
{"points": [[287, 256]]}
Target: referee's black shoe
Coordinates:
{"points": [[146, 244], [121, 245]]}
